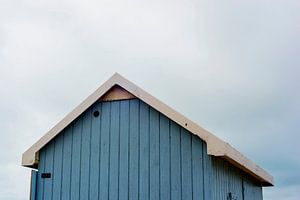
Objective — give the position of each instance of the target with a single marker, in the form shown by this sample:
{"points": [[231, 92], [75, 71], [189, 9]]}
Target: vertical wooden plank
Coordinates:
{"points": [[251, 189], [197, 168], [134, 150], [165, 184], [258, 192], [186, 164], [114, 150], [225, 179], [49, 169], [95, 152], [207, 173], [248, 192], [104, 157], [40, 180], [235, 181], [175, 162], [57, 175], [67, 157], [76, 157], [144, 152], [214, 178], [124, 150], [85, 155], [220, 179], [154, 154], [33, 184]]}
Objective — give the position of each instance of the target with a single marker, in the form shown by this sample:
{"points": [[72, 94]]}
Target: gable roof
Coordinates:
{"points": [[215, 146]]}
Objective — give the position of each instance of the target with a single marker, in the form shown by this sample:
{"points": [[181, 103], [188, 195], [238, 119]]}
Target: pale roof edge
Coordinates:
{"points": [[215, 146]]}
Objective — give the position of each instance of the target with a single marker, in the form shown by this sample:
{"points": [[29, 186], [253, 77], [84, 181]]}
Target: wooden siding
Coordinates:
{"points": [[33, 183], [130, 151], [229, 183], [252, 190]]}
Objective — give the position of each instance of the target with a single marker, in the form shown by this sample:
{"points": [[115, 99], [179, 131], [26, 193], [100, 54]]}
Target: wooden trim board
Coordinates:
{"points": [[116, 93]]}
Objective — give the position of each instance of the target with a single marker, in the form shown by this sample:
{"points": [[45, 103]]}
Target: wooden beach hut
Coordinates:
{"points": [[123, 143]]}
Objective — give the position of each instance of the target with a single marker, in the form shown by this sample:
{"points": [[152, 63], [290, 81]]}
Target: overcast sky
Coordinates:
{"points": [[231, 66]]}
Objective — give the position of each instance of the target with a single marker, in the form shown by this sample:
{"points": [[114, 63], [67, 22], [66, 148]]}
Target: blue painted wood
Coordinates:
{"points": [[165, 158], [76, 159], [124, 151], [197, 169], [154, 154], [33, 184], [220, 187], [134, 150], [40, 180], [207, 173], [49, 169], [186, 163], [131, 151], [95, 153], [235, 181], [144, 152], [175, 162], [66, 169], [228, 179], [114, 150], [85, 152], [57, 168], [104, 157], [251, 189]]}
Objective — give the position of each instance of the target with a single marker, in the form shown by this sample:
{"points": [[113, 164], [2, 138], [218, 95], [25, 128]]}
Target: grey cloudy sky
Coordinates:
{"points": [[231, 66]]}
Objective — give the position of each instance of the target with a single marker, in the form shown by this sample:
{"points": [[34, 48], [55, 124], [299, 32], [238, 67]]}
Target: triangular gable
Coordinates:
{"points": [[116, 93], [113, 89]]}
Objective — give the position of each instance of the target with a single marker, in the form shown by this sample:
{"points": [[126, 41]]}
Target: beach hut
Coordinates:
{"points": [[123, 143]]}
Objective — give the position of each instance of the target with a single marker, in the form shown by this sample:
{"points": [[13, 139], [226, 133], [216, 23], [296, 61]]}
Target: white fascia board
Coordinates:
{"points": [[215, 146]]}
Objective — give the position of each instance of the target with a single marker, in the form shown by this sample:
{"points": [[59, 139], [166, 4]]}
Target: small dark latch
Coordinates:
{"points": [[46, 175]]}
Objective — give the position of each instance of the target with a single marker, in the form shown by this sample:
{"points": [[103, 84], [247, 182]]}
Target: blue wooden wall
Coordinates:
{"points": [[33, 184], [130, 151], [228, 179]]}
